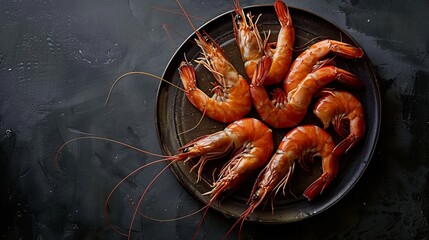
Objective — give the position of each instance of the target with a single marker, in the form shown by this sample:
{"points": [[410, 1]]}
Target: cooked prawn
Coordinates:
{"points": [[304, 63], [281, 51], [252, 48], [252, 144], [231, 99], [343, 110], [288, 110], [248, 39], [301, 144], [228, 103]]}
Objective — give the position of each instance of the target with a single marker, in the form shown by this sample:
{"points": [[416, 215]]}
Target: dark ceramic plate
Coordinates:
{"points": [[175, 115]]}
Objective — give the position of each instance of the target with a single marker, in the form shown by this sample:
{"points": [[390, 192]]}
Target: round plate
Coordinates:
{"points": [[175, 115]]}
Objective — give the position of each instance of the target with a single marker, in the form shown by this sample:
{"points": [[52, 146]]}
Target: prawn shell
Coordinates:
{"points": [[175, 115]]}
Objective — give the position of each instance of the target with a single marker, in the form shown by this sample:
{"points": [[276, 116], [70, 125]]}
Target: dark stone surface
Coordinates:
{"points": [[58, 60]]}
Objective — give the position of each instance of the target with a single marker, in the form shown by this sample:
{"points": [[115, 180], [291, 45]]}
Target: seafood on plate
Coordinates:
{"points": [[346, 114], [231, 98], [289, 110], [250, 141], [301, 144], [253, 48], [248, 38], [251, 144], [305, 62]]}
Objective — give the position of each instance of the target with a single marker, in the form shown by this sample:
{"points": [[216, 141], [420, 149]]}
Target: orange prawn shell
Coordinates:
{"points": [[252, 141], [338, 103], [304, 63], [294, 146], [258, 134], [223, 111], [336, 106], [248, 39], [227, 109], [282, 55], [253, 48], [307, 136], [289, 111]]}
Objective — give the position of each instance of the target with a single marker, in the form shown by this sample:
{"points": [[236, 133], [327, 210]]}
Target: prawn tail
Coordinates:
{"points": [[348, 78], [317, 187], [282, 12], [346, 50]]}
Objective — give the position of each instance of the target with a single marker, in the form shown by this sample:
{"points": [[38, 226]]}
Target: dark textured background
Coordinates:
{"points": [[59, 58]]}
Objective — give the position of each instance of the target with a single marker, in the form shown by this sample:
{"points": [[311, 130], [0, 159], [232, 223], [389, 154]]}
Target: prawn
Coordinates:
{"points": [[288, 110], [227, 104], [304, 63], [301, 144], [281, 51], [343, 110], [253, 145], [231, 99], [248, 39], [252, 49]]}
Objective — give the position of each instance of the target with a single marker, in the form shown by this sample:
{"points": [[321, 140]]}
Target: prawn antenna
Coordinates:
{"points": [[106, 203], [166, 28], [202, 218], [239, 221], [142, 197], [186, 15], [138, 73], [172, 219], [167, 31], [57, 155], [177, 12], [198, 123], [308, 43], [199, 35]]}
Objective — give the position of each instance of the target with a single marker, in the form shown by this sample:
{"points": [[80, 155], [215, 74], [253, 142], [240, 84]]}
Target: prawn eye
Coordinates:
{"points": [[186, 150], [255, 196], [237, 17]]}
